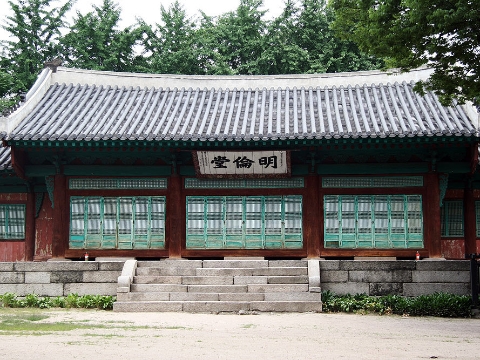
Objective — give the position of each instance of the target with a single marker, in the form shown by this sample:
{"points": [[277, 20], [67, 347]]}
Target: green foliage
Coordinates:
{"points": [[94, 42], [101, 302], [410, 33], [35, 28], [438, 304], [173, 45]]}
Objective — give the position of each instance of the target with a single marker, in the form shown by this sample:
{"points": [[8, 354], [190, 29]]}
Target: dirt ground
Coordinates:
{"points": [[109, 335]]}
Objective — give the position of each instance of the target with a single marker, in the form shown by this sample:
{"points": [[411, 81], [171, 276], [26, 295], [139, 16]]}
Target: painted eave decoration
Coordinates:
{"points": [[71, 105]]}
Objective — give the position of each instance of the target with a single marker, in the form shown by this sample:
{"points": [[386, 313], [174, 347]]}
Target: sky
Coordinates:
{"points": [[149, 10]]}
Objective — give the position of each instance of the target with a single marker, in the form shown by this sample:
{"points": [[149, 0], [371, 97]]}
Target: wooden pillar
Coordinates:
{"points": [[175, 216], [60, 217], [30, 226], [431, 218], [470, 219], [312, 217]]}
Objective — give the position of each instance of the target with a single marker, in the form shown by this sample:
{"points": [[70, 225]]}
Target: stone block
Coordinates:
{"points": [[241, 297], [235, 263], [111, 266], [287, 263], [329, 265], [57, 266], [313, 273], [441, 276], [347, 288], [37, 277], [38, 289], [186, 296], [443, 265], [101, 276], [297, 279], [156, 279], [90, 289], [160, 296], [12, 277], [384, 276], [217, 288], [6, 266], [286, 306], [377, 265], [207, 280], [66, 277], [215, 306], [307, 296], [417, 289], [333, 276], [123, 289], [262, 288], [160, 306], [245, 280], [280, 271], [381, 289], [224, 271]]}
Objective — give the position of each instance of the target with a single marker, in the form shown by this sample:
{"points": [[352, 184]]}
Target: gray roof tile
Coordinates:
{"points": [[97, 112], [5, 158]]}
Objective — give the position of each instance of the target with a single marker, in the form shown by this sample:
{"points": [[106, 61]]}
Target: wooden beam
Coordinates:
{"points": [[175, 235], [112, 170], [61, 217], [431, 215], [312, 217], [18, 162], [357, 169], [30, 226], [470, 219]]}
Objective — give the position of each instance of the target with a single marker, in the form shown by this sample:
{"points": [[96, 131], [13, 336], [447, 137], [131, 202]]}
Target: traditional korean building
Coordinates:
{"points": [[299, 166]]}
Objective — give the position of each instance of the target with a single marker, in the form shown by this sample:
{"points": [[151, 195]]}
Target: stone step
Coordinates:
{"points": [[284, 288], [221, 280], [217, 306], [158, 288], [195, 296], [169, 263], [161, 271], [148, 279], [270, 271]]}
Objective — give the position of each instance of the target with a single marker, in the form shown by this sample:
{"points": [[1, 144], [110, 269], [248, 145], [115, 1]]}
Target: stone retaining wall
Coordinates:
{"points": [[407, 278], [60, 278]]}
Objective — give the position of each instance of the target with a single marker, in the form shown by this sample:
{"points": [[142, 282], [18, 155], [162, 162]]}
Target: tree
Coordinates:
{"points": [[302, 41], [238, 36], [440, 34], [94, 41], [35, 27], [173, 44], [282, 53]]}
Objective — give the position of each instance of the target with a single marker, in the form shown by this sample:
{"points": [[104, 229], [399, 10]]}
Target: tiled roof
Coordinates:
{"points": [[79, 112], [5, 159]]}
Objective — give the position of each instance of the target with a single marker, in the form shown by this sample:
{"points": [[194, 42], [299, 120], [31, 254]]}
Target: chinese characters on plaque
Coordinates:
{"points": [[242, 163]]}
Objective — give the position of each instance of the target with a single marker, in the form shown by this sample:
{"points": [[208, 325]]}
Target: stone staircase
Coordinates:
{"points": [[214, 286]]}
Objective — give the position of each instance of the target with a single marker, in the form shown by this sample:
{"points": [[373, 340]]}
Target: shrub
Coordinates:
{"points": [[438, 304], [70, 301]]}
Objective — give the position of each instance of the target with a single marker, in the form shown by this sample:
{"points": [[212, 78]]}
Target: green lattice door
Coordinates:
{"points": [[373, 221], [244, 222], [117, 222]]}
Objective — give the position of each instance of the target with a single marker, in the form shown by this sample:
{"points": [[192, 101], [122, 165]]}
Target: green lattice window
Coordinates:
{"points": [[117, 222], [244, 222], [373, 221], [12, 221], [452, 218]]}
